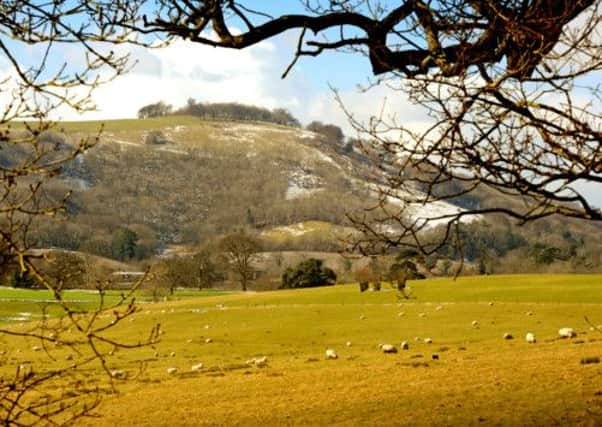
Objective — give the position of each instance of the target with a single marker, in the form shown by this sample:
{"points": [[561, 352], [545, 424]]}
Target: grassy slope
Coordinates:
{"points": [[480, 377]]}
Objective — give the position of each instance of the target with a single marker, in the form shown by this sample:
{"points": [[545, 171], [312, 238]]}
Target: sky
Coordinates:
{"points": [[186, 70]]}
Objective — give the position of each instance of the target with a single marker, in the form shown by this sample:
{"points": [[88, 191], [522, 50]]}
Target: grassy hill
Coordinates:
{"points": [[479, 378], [180, 180], [209, 178]]}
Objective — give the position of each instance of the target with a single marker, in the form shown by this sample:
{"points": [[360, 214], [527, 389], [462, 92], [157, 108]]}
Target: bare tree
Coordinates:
{"points": [[177, 271], [31, 92], [240, 250], [511, 87]]}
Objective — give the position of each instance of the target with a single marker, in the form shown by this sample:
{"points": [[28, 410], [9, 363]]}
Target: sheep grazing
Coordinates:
{"points": [[208, 340], [530, 338], [362, 317], [189, 341], [260, 362], [422, 315], [388, 348], [508, 336], [567, 333], [36, 348], [401, 314], [118, 373], [172, 354], [475, 324], [405, 345], [331, 354], [439, 308], [348, 343], [197, 367], [529, 313], [428, 341], [172, 371], [490, 304]]}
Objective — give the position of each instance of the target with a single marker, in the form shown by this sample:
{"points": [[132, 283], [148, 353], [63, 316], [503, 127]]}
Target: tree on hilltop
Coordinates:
{"points": [[158, 109]]}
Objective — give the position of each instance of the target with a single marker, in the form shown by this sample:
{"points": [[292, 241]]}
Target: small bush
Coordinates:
{"points": [[307, 274]]}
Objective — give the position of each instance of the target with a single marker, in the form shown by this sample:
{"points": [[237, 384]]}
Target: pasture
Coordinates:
{"points": [[478, 379]]}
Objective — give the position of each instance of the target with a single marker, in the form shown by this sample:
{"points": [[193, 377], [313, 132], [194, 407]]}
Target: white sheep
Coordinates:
{"points": [[208, 340], [172, 371], [348, 343], [422, 315], [261, 361], [530, 338], [508, 336], [405, 345], [475, 324], [567, 333], [118, 373], [388, 348], [331, 354], [428, 341], [196, 367]]}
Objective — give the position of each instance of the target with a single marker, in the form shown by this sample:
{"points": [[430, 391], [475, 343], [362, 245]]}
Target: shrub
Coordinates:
{"points": [[307, 274]]}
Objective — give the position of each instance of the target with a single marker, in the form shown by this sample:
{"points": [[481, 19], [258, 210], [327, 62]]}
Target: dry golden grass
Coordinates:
{"points": [[479, 379]]}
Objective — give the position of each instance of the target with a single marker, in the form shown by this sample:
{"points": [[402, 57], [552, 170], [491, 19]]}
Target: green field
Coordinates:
{"points": [[479, 378], [18, 305]]}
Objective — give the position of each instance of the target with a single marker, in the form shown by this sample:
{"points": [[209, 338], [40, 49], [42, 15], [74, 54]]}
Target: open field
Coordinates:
{"points": [[479, 378], [18, 305]]}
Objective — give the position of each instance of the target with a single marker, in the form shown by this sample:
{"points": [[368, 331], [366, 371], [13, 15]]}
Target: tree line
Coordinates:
{"points": [[221, 111]]}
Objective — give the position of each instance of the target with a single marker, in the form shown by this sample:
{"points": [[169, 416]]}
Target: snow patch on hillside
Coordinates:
{"points": [[129, 143], [295, 230], [178, 128], [306, 134], [172, 150], [433, 213], [301, 184]]}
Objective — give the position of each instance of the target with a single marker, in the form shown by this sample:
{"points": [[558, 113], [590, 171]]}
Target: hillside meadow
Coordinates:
{"points": [[478, 379]]}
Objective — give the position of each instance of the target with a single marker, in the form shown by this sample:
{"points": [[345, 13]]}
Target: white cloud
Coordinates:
{"points": [[392, 106], [187, 70]]}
